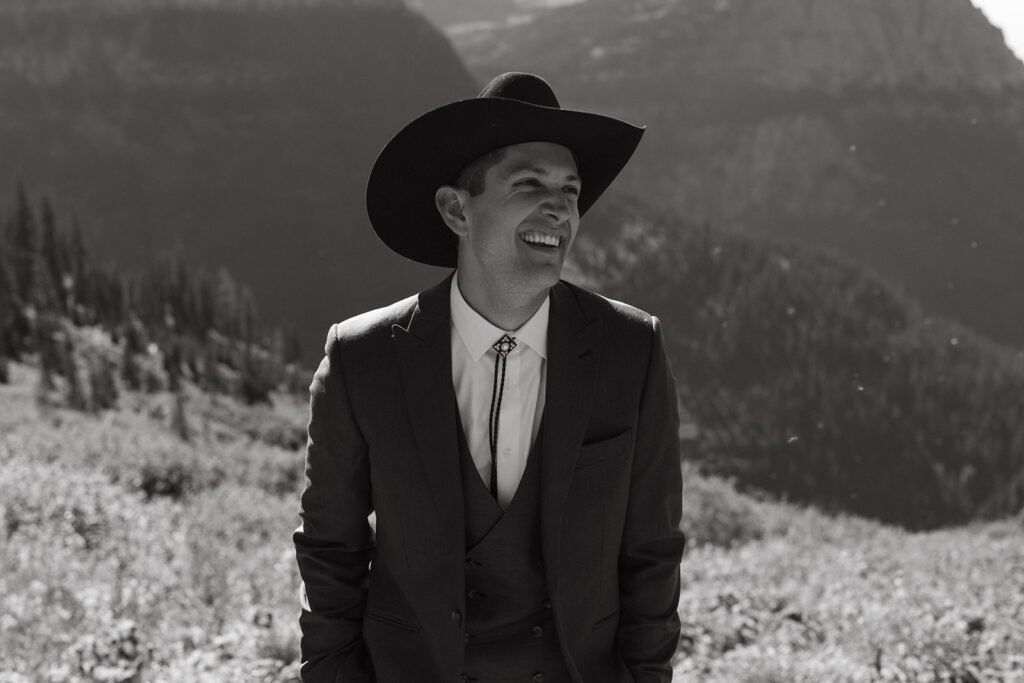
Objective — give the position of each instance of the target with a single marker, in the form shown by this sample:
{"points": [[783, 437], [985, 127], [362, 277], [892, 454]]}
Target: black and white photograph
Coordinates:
{"points": [[512, 341]]}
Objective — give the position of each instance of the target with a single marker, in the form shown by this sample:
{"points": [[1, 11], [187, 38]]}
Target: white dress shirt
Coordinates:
{"points": [[522, 402]]}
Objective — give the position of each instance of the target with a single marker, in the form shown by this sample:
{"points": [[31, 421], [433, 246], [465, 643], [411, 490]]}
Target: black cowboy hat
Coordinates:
{"points": [[432, 150]]}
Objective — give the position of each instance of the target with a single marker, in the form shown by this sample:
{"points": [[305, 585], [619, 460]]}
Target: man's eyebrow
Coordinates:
{"points": [[528, 166]]}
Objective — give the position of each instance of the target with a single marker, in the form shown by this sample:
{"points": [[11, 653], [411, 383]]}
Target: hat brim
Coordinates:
{"points": [[433, 149]]}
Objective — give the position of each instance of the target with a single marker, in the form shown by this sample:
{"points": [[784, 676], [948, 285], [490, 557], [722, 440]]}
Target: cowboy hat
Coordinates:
{"points": [[432, 150]]}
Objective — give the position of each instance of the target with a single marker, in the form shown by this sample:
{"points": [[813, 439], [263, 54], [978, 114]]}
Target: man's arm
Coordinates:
{"points": [[652, 544], [333, 545]]}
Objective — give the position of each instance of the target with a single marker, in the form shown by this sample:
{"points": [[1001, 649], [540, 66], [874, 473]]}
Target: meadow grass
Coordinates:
{"points": [[167, 560]]}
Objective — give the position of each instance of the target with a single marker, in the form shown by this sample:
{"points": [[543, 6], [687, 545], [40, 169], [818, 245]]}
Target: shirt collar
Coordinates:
{"points": [[478, 334]]}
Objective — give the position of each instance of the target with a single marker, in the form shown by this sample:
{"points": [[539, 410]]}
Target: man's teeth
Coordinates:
{"points": [[536, 238]]}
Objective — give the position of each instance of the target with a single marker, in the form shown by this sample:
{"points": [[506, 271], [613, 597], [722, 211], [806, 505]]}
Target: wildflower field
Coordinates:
{"points": [[152, 542]]}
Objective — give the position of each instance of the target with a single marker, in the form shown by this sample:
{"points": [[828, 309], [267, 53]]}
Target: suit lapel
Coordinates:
{"points": [[424, 353], [573, 344]]}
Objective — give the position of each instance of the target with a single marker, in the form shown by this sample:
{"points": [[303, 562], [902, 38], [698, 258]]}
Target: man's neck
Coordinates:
{"points": [[507, 310]]}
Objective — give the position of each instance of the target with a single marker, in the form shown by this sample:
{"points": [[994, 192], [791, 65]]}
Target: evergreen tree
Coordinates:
{"points": [[50, 250], [21, 241], [9, 347], [44, 290], [77, 266], [179, 422], [75, 395], [103, 388], [129, 367], [226, 319]]}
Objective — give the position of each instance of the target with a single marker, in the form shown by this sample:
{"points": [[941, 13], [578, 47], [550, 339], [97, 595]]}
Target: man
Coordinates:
{"points": [[515, 436]]}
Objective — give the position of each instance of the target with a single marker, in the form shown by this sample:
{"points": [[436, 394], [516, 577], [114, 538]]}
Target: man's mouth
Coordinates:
{"points": [[541, 239]]}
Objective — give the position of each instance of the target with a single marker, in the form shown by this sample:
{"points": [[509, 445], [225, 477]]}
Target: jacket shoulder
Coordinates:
{"points": [[611, 311], [371, 326]]}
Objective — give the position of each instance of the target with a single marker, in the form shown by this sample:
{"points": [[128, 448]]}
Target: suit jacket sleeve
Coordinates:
{"points": [[652, 544], [334, 544]]}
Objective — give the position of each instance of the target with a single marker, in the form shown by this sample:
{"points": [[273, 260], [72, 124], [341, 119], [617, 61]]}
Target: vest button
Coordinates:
{"points": [[538, 632], [538, 678], [472, 593], [547, 604], [457, 618]]}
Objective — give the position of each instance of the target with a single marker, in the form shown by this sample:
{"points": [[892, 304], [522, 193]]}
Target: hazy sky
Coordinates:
{"points": [[1009, 16]]}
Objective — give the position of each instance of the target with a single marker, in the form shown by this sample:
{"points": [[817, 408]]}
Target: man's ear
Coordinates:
{"points": [[449, 201]]}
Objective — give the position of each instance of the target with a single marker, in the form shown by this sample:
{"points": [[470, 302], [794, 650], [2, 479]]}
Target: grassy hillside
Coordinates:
{"points": [[126, 549]]}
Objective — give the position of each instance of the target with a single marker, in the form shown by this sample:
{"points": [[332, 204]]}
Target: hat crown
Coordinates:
{"points": [[524, 87]]}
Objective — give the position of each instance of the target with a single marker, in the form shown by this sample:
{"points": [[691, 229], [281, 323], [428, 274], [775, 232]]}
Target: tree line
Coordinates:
{"points": [[168, 321]]}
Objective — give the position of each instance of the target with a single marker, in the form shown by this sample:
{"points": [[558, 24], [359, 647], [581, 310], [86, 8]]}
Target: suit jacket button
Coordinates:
{"points": [[538, 678], [547, 604], [457, 618], [538, 632]]}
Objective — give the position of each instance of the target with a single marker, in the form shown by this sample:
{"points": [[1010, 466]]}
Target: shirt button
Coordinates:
{"points": [[457, 618], [538, 632], [507, 451]]}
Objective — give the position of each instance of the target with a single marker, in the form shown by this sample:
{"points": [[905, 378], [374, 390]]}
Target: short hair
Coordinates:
{"points": [[472, 178]]}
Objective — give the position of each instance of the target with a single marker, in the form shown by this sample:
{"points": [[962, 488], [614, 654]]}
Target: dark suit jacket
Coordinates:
{"points": [[388, 606]]}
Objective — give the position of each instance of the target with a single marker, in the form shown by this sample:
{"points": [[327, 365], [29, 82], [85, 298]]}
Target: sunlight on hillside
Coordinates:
{"points": [[173, 560]]}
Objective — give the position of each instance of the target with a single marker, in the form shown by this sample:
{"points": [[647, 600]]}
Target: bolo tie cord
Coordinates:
{"points": [[502, 348]]}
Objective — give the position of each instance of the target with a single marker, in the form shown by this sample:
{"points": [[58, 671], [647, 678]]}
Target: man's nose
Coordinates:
{"points": [[556, 206]]}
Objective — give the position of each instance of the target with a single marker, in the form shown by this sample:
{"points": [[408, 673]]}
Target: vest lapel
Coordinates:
{"points": [[573, 343], [424, 353]]}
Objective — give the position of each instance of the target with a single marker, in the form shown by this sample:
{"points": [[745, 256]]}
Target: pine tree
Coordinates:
{"points": [[50, 250], [179, 422], [129, 367], [81, 295], [75, 396], [21, 241], [226, 319], [103, 388], [9, 348], [44, 291]]}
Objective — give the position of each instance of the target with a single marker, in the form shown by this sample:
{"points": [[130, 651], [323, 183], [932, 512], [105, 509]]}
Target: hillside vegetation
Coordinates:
{"points": [[809, 377], [125, 551]]}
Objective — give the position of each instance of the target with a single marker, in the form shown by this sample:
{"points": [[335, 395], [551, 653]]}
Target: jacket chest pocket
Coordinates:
{"points": [[605, 450]]}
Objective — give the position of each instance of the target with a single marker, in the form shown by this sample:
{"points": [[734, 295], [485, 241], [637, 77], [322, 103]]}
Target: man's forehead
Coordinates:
{"points": [[540, 157]]}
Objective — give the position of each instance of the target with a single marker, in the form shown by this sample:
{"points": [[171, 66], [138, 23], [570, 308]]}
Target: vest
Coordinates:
{"points": [[510, 629]]}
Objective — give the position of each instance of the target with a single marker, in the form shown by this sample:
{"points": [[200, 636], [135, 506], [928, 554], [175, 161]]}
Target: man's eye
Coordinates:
{"points": [[571, 189], [528, 181]]}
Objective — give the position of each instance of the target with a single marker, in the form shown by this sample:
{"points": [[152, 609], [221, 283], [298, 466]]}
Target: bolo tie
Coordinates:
{"points": [[502, 348]]}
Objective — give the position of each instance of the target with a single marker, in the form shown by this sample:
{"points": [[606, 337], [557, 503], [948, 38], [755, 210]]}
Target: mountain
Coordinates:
{"points": [[240, 132], [889, 131]]}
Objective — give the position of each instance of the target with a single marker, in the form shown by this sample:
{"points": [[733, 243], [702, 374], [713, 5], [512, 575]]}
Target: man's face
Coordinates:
{"points": [[521, 227]]}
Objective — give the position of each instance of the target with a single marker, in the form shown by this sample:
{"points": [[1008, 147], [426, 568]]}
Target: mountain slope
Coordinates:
{"points": [[889, 131], [242, 132]]}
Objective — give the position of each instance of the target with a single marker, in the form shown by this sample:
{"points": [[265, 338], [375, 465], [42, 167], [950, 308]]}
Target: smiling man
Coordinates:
{"points": [[515, 436]]}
